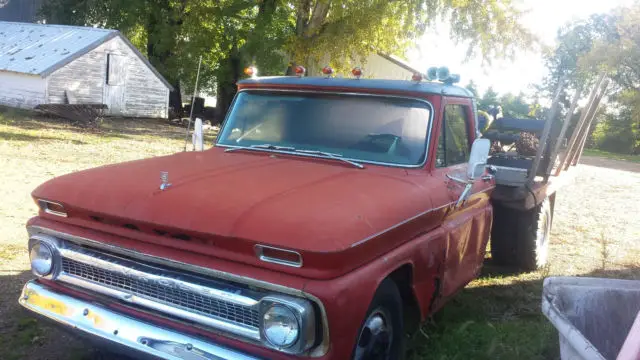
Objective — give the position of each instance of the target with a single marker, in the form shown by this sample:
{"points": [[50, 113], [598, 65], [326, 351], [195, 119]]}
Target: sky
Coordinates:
{"points": [[543, 18]]}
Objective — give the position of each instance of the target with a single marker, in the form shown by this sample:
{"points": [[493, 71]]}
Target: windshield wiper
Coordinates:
{"points": [[331, 156], [262, 146], [294, 150]]}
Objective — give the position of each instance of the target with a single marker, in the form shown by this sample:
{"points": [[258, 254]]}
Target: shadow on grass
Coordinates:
{"points": [[8, 136], [124, 128], [495, 321], [22, 336]]}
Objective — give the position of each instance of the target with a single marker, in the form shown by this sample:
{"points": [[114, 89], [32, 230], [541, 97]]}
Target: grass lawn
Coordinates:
{"points": [[610, 155], [495, 317]]}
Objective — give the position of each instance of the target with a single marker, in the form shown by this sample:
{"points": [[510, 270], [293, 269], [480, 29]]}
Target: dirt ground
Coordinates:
{"points": [[595, 232]]}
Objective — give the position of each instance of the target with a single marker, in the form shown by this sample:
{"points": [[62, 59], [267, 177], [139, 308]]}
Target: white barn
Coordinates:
{"points": [[56, 64], [383, 66], [377, 66]]}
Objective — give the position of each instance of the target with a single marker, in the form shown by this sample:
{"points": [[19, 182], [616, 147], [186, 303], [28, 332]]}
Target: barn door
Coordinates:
{"points": [[115, 83]]}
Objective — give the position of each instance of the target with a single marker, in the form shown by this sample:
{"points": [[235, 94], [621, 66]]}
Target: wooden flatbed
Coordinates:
{"points": [[551, 167]]}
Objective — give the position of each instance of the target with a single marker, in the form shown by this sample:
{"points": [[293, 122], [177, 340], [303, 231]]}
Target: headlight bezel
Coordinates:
{"points": [[305, 316], [53, 245]]}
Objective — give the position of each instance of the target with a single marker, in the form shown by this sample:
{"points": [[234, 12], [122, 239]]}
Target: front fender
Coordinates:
{"points": [[347, 298]]}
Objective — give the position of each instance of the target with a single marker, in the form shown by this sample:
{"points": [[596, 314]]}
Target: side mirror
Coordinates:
{"points": [[478, 158], [198, 135]]}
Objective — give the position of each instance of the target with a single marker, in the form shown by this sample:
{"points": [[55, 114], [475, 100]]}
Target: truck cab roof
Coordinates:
{"points": [[352, 84]]}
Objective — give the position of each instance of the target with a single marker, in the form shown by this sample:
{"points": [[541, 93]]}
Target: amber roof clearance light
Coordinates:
{"points": [[357, 72], [251, 71], [300, 70], [327, 71]]}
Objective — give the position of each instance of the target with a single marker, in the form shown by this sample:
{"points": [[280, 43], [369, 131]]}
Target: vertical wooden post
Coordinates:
{"points": [[577, 130], [563, 131], [545, 132], [193, 101], [594, 109]]}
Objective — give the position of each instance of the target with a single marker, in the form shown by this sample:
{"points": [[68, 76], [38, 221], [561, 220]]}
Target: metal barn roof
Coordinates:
{"points": [[41, 49]]}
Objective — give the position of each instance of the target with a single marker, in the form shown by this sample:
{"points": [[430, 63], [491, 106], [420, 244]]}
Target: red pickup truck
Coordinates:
{"points": [[329, 219]]}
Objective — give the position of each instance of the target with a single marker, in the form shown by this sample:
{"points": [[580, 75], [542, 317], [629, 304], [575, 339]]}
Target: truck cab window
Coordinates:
{"points": [[387, 130], [453, 142]]}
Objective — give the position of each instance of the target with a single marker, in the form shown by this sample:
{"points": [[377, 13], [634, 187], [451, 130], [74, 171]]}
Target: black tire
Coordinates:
{"points": [[520, 239], [386, 305]]}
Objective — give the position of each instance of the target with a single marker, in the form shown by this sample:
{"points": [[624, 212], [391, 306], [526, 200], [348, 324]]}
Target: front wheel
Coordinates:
{"points": [[521, 238], [381, 336]]}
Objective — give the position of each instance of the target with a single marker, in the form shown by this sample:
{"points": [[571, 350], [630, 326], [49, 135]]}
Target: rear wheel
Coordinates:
{"points": [[521, 238], [381, 335]]}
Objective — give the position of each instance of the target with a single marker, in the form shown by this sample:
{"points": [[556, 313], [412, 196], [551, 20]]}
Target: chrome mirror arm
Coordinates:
{"points": [[468, 185], [457, 179], [465, 194]]}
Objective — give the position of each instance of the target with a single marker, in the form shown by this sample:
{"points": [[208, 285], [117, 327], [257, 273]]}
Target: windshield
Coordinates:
{"points": [[364, 128]]}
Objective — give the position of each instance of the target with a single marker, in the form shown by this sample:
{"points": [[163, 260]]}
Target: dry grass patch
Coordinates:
{"points": [[34, 149]]}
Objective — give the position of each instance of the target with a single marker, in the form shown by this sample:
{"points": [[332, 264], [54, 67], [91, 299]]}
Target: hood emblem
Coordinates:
{"points": [[164, 177]]}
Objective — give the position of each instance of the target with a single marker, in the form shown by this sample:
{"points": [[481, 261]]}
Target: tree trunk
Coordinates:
{"points": [[226, 84], [175, 99], [156, 27]]}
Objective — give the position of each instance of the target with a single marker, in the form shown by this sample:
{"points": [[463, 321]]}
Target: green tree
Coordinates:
{"points": [[473, 88], [488, 100], [231, 34], [575, 41], [611, 43], [515, 106]]}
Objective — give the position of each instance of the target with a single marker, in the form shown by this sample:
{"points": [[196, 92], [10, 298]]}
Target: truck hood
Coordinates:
{"points": [[229, 202]]}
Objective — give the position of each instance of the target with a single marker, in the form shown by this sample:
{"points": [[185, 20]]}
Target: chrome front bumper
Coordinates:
{"points": [[118, 330]]}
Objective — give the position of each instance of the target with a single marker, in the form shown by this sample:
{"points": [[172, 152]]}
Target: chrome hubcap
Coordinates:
{"points": [[376, 337]]}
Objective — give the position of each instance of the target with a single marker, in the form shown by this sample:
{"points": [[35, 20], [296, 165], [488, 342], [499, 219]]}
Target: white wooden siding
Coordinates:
{"points": [[144, 94], [84, 77], [21, 90], [374, 66], [377, 67]]}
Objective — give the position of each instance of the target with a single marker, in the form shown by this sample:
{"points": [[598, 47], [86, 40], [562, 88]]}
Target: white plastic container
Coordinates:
{"points": [[631, 348], [593, 316]]}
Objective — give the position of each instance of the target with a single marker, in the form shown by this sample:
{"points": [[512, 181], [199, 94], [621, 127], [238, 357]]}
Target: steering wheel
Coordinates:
{"points": [[385, 143]]}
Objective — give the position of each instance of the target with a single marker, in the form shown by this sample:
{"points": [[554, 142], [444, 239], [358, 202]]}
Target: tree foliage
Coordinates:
{"points": [[345, 31], [473, 88], [488, 100], [231, 34], [515, 106], [611, 43]]}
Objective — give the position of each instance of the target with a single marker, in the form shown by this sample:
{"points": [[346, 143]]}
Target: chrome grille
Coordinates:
{"points": [[226, 311]]}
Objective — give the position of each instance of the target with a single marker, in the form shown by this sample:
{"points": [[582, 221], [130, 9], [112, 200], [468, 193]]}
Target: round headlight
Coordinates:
{"points": [[41, 257], [280, 326]]}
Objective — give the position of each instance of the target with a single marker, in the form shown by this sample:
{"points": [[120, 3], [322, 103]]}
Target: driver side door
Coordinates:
{"points": [[467, 224]]}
